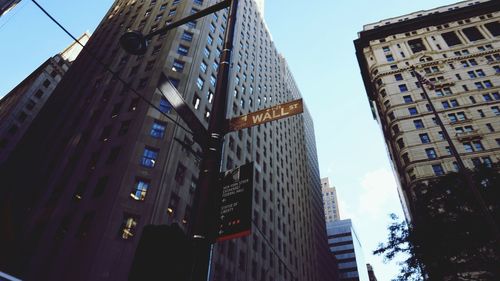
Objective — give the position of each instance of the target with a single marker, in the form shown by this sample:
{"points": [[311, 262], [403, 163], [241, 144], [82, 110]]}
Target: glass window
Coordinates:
{"points": [[478, 145], [413, 110], [200, 82], [183, 50], [129, 224], [496, 110], [468, 147], [493, 27], [425, 138], [203, 67], [418, 124], [438, 169], [158, 129], [407, 99], [451, 38], [431, 153], [149, 157], [187, 36], [403, 88], [140, 189], [398, 77], [416, 45], [389, 58], [472, 33], [165, 106], [178, 65]]}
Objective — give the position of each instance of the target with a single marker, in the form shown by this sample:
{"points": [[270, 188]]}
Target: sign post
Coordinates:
{"points": [[266, 115], [235, 213]]}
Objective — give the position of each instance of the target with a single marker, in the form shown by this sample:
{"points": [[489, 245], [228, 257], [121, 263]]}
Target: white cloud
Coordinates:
{"points": [[378, 190]]}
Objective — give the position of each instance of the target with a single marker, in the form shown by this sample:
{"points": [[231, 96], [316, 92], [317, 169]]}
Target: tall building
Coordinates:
{"points": [[371, 272], [21, 105], [330, 202], [98, 163], [457, 48], [345, 245], [6, 5]]}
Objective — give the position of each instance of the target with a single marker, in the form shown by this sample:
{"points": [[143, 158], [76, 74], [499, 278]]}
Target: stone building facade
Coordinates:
{"points": [[456, 48]]}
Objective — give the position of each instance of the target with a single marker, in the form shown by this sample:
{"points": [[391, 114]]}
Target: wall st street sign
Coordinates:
{"points": [[235, 214], [266, 115]]}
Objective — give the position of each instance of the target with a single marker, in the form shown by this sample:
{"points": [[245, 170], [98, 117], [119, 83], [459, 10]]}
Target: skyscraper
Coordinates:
{"points": [[22, 104], [345, 245], [99, 163], [330, 202], [6, 5], [457, 48]]}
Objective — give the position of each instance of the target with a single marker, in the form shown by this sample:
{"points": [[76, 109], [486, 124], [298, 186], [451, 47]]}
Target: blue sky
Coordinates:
{"points": [[316, 40]]}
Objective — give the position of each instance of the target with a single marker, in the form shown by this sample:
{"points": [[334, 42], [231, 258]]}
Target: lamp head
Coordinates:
{"points": [[133, 42]]}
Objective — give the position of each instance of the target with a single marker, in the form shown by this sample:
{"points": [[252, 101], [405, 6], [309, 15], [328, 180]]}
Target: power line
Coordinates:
{"points": [[115, 74]]}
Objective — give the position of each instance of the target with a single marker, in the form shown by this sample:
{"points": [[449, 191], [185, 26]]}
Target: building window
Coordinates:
{"points": [[39, 94], [418, 124], [180, 173], [454, 103], [493, 28], [158, 129], [46, 83], [478, 145], [129, 224], [203, 67], [424, 138], [187, 36], [149, 157], [389, 58], [401, 143], [431, 153], [206, 52], [472, 33], [438, 169], [413, 110], [183, 50], [496, 110], [140, 189], [403, 88], [407, 99], [178, 66], [468, 147], [165, 106], [417, 45], [398, 77], [173, 203], [199, 83]]}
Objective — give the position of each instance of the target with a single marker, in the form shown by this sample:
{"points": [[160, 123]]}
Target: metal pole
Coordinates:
{"points": [[461, 166], [204, 227]]}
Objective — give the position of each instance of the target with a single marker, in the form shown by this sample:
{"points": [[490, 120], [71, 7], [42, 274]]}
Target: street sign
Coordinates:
{"points": [[180, 106], [235, 215], [266, 115]]}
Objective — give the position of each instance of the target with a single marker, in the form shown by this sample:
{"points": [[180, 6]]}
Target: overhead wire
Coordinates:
{"points": [[115, 74]]}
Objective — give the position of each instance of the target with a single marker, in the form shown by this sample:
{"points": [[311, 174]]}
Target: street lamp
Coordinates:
{"points": [[203, 229]]}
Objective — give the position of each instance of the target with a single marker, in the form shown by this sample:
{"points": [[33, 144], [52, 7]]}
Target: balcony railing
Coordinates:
{"points": [[469, 135]]}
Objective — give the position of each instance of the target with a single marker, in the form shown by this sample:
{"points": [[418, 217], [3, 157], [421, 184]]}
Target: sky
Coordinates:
{"points": [[316, 39]]}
